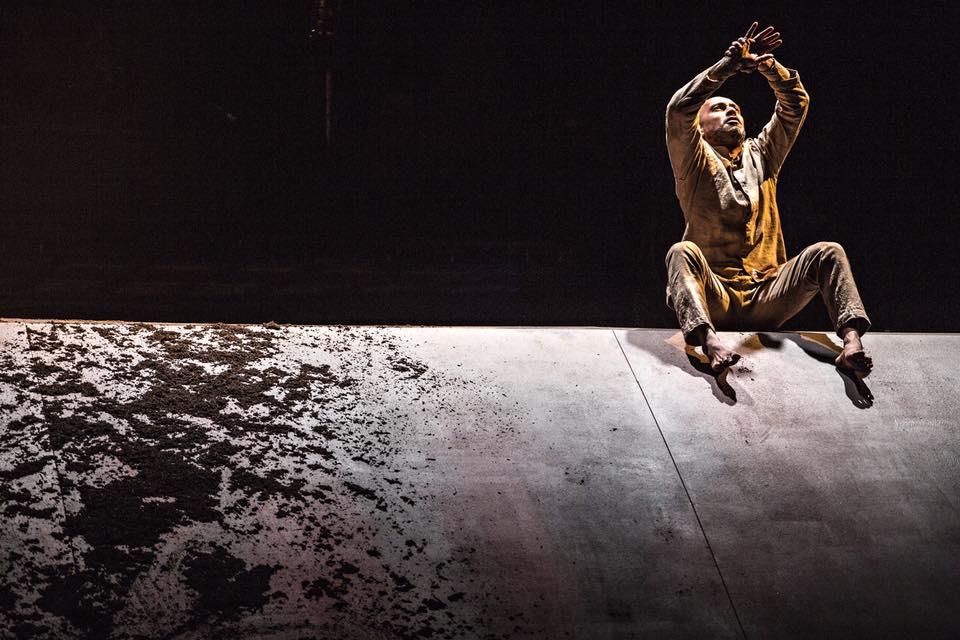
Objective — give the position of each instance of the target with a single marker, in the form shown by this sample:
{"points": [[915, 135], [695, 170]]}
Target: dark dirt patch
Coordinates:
{"points": [[143, 455], [225, 587]]}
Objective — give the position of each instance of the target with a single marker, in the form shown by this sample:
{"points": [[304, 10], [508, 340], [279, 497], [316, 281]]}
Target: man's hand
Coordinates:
{"points": [[751, 51]]}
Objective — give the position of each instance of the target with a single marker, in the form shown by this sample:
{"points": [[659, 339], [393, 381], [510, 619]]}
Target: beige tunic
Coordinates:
{"points": [[731, 209]]}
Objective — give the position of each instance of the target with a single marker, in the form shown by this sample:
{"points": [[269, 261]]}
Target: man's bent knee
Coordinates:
{"points": [[684, 250], [830, 250]]}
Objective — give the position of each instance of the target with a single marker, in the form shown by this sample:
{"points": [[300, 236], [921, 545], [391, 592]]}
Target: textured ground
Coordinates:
{"points": [[342, 482]]}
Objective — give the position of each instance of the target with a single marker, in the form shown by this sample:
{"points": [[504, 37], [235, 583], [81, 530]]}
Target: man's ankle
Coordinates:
{"points": [[711, 341], [849, 334], [704, 334]]}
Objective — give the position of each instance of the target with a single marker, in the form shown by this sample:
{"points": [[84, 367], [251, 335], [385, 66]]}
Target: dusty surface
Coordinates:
{"points": [[340, 482], [198, 481]]}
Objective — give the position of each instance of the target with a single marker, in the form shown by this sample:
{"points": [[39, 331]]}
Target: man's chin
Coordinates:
{"points": [[735, 131], [730, 137]]}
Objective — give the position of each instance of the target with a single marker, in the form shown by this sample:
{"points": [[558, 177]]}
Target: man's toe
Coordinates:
{"points": [[857, 361]]}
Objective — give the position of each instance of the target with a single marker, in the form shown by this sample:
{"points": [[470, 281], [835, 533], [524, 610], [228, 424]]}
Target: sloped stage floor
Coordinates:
{"points": [[178, 481]]}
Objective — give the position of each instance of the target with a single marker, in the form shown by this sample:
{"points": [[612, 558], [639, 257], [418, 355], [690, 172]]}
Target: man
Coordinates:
{"points": [[730, 270]]}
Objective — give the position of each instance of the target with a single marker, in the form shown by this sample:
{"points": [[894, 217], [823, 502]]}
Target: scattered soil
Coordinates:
{"points": [[221, 468]]}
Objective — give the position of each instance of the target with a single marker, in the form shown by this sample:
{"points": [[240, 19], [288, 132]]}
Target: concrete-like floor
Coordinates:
{"points": [[183, 481]]}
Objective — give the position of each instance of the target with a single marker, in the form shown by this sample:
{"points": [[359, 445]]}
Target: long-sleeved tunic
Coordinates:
{"points": [[731, 208]]}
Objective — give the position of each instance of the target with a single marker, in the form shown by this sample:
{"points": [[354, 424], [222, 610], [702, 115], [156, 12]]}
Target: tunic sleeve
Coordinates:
{"points": [[781, 131], [684, 142]]}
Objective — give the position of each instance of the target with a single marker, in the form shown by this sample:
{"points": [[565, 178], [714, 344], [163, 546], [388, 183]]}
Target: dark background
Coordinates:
{"points": [[487, 162]]}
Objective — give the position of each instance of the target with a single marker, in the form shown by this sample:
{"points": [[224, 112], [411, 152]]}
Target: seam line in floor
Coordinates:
{"points": [[683, 484]]}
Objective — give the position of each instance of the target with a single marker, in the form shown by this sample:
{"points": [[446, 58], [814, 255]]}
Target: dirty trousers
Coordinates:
{"points": [[700, 297]]}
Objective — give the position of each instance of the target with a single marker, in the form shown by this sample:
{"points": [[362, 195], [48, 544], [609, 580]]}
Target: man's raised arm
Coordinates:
{"points": [[746, 53], [779, 134], [683, 134]]}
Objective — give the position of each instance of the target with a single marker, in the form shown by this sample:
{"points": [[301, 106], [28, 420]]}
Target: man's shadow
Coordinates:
{"points": [[674, 351], [721, 388], [819, 347]]}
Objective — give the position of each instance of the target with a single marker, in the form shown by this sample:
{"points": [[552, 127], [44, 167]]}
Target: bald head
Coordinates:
{"points": [[721, 123]]}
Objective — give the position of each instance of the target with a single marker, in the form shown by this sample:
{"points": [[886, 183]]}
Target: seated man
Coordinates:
{"points": [[730, 270]]}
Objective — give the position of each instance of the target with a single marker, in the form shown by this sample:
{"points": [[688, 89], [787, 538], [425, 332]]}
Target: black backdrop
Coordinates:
{"points": [[488, 162]]}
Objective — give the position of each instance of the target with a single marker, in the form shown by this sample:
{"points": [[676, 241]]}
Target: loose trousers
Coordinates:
{"points": [[700, 297]]}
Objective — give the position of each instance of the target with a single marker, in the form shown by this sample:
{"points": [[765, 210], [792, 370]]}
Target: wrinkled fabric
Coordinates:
{"points": [[730, 209], [700, 297], [731, 269]]}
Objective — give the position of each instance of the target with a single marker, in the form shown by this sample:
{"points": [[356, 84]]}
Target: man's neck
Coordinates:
{"points": [[729, 153]]}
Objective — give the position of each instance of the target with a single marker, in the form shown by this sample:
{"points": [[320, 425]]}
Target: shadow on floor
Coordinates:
{"points": [[819, 347], [674, 351]]}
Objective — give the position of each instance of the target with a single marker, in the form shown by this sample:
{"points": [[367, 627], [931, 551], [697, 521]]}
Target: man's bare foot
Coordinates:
{"points": [[720, 356], [853, 357]]}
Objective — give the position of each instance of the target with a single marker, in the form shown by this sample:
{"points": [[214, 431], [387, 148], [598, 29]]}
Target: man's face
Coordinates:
{"points": [[721, 123]]}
